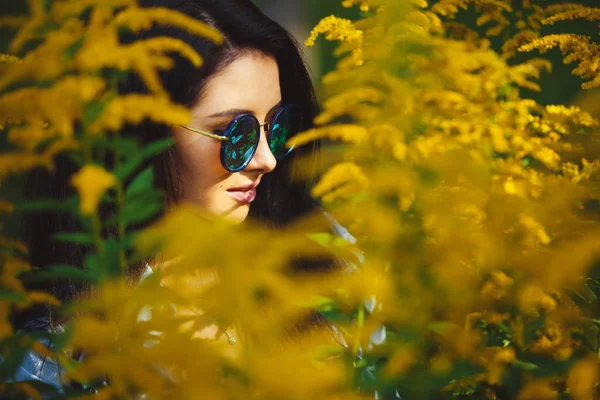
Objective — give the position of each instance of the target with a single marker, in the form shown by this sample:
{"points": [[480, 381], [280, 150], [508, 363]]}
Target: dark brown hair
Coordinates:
{"points": [[279, 199]]}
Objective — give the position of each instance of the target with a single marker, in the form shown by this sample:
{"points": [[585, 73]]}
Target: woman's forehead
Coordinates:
{"points": [[251, 82]]}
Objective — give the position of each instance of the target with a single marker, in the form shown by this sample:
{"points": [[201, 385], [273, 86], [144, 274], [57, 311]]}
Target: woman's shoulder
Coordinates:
{"points": [[351, 263], [39, 368], [338, 229]]}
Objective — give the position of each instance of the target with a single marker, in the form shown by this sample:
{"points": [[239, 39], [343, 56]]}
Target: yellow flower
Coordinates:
{"points": [[167, 44], [573, 114], [341, 181], [574, 12], [364, 5], [498, 285], [339, 29], [29, 390], [401, 361], [554, 340], [535, 228], [18, 245], [134, 108], [40, 298], [582, 379], [57, 147], [345, 133], [542, 389], [440, 364], [64, 9], [511, 46], [496, 360], [13, 21], [580, 48], [532, 297], [47, 113], [6, 207], [11, 268], [5, 325], [30, 27], [138, 19], [15, 162], [52, 51], [91, 182], [10, 59], [356, 102]]}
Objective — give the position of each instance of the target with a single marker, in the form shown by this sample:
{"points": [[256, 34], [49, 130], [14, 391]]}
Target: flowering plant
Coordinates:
{"points": [[472, 270]]}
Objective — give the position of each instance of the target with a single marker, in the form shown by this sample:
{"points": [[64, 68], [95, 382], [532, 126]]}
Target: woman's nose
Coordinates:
{"points": [[263, 160]]}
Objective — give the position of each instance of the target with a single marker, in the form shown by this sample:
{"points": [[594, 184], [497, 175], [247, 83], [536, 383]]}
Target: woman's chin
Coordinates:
{"points": [[225, 210], [237, 214]]}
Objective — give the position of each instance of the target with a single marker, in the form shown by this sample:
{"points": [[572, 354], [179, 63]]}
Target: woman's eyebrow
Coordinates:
{"points": [[234, 112], [230, 113]]}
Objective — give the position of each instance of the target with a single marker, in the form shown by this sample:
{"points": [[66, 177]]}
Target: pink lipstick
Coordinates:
{"points": [[244, 194]]}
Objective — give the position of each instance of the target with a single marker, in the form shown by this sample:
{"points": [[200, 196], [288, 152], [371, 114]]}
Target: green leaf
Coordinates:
{"points": [[8, 295], [60, 340], [151, 150], [139, 211], [327, 350], [524, 365], [80, 238], [442, 327], [94, 109], [66, 205], [106, 263], [596, 322], [321, 238], [144, 181], [70, 51], [112, 249], [93, 263], [61, 272], [327, 239], [532, 328], [123, 146], [504, 328], [316, 302]]}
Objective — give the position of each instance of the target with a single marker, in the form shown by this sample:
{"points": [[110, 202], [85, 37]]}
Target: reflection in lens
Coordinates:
{"points": [[243, 139], [286, 123]]}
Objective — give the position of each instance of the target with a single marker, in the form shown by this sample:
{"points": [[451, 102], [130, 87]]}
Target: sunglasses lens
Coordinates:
{"points": [[243, 136], [286, 124]]}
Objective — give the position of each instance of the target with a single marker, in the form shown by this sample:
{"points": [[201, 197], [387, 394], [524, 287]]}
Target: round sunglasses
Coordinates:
{"points": [[241, 137]]}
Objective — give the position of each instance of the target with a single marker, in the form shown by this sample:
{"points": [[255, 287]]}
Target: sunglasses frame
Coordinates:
{"points": [[225, 137]]}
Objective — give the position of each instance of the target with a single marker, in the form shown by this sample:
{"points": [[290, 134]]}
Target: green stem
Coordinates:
{"points": [[97, 231], [121, 228], [120, 206], [360, 323]]}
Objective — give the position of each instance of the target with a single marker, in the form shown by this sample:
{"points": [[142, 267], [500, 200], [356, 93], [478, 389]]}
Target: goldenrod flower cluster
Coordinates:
{"points": [[91, 182], [472, 266], [468, 193], [340, 29]]}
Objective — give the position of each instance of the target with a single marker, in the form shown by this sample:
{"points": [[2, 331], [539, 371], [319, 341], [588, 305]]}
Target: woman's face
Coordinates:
{"points": [[250, 84]]}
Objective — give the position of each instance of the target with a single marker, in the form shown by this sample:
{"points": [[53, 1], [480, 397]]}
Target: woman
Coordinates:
{"points": [[255, 82]]}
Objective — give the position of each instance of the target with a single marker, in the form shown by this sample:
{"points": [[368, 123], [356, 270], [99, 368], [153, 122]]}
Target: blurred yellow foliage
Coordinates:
{"points": [[472, 252]]}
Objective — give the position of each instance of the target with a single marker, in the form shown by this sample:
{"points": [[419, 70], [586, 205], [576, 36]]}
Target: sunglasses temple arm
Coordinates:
{"points": [[210, 135]]}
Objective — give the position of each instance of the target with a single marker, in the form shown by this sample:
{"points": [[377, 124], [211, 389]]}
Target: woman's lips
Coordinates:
{"points": [[245, 196]]}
